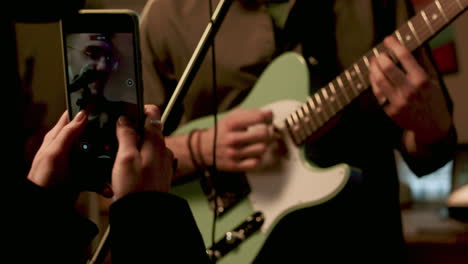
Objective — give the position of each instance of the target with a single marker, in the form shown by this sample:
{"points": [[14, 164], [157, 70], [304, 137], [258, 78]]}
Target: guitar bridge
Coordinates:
{"points": [[234, 238]]}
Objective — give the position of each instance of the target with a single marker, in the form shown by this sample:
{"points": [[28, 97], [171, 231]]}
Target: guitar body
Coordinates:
{"points": [[287, 184]]}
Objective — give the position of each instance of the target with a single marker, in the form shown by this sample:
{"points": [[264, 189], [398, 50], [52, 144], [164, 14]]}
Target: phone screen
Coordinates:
{"points": [[102, 68]]}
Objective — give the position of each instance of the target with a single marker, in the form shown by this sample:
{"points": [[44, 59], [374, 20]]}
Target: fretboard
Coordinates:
{"points": [[336, 95]]}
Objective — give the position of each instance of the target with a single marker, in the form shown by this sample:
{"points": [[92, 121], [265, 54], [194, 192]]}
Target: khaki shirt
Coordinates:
{"points": [[245, 45]]}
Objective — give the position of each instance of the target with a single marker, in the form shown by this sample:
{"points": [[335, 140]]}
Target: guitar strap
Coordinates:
{"points": [[310, 29], [384, 19]]}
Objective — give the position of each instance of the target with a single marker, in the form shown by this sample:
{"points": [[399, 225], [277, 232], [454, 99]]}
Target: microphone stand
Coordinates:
{"points": [[197, 57], [179, 93]]}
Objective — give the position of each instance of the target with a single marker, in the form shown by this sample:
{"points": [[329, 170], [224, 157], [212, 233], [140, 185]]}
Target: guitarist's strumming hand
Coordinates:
{"points": [[243, 137], [413, 98]]}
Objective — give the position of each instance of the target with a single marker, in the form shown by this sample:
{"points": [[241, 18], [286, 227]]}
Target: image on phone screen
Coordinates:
{"points": [[102, 80]]}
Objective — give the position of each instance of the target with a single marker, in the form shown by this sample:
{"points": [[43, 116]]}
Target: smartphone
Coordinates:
{"points": [[103, 77]]}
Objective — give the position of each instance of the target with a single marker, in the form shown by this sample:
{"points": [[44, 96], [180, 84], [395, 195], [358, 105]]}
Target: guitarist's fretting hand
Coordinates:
{"points": [[413, 98], [243, 137]]}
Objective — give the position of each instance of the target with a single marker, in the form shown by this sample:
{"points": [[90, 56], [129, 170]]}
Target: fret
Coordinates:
{"points": [[451, 8], [434, 17], [290, 124], [364, 69], [314, 119], [409, 37], [348, 90], [400, 39], [350, 80], [328, 101], [426, 20], [343, 90], [326, 112], [406, 34], [381, 49], [355, 75], [421, 29], [299, 126], [329, 98], [376, 52], [335, 95], [366, 61], [360, 85], [411, 26], [439, 6], [308, 118], [316, 111], [325, 94], [304, 121]]}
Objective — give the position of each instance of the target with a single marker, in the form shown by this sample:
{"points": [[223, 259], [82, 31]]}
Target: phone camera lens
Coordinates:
{"points": [[85, 147]]}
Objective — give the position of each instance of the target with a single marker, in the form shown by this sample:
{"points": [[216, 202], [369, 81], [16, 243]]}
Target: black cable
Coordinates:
{"points": [[215, 116]]}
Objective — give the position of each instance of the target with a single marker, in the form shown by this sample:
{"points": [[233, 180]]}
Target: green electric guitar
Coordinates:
{"points": [[287, 181]]}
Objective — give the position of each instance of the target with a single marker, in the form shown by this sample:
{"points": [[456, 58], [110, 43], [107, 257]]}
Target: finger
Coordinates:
{"points": [[63, 120], [69, 133], [153, 141], [407, 60], [393, 73], [245, 118], [251, 151], [248, 164], [153, 119], [126, 136], [381, 86], [152, 109], [259, 133]]}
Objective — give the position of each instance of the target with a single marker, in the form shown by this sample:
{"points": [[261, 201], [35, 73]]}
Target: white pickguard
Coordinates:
{"points": [[288, 182]]}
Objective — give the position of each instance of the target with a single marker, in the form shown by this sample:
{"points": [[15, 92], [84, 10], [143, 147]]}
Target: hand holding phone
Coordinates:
{"points": [[102, 61]]}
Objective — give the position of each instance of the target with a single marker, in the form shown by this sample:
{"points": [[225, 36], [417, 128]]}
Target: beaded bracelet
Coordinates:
{"points": [[192, 154]]}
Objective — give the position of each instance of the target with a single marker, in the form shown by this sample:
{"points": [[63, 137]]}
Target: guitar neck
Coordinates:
{"points": [[337, 94]]}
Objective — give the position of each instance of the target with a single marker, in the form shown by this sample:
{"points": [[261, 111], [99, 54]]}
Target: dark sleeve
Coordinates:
{"points": [[154, 227], [44, 228], [442, 151]]}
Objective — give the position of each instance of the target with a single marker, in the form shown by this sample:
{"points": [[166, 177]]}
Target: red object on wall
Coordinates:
{"points": [[445, 58]]}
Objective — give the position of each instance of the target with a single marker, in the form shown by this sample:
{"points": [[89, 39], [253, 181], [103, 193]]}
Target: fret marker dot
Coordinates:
{"points": [[434, 16], [359, 86], [408, 37]]}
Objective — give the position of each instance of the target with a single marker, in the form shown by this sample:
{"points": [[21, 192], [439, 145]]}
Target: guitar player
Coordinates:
{"points": [[408, 108]]}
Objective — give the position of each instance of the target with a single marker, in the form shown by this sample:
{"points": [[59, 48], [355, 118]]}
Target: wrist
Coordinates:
{"points": [[195, 147], [191, 143], [202, 149]]}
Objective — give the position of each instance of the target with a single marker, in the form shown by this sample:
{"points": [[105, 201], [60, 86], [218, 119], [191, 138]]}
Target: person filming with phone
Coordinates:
{"points": [[41, 223], [93, 59]]}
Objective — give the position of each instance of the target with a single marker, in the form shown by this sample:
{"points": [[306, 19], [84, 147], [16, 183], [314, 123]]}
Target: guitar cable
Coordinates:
{"points": [[215, 136]]}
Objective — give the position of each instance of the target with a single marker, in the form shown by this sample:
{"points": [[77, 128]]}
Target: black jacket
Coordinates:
{"points": [[151, 227]]}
